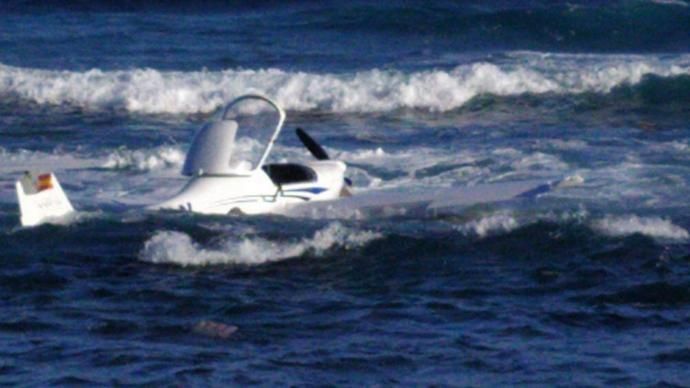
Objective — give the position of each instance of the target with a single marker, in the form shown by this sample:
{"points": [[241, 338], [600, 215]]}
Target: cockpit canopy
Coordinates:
{"points": [[239, 141]]}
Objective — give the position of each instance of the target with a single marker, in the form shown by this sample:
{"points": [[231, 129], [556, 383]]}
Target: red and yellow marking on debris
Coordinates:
{"points": [[44, 182]]}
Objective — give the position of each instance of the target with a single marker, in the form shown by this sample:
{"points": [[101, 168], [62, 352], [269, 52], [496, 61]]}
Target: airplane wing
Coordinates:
{"points": [[426, 200]]}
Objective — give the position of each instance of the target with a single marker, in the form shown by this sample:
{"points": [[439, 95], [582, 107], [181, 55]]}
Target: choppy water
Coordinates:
{"points": [[588, 285]]}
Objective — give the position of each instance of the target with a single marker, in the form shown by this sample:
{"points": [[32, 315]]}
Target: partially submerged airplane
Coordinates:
{"points": [[228, 174]]}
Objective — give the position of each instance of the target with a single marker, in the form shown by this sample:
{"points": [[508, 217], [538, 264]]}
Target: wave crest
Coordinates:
{"points": [[495, 223], [178, 248], [146, 159], [152, 91], [654, 227]]}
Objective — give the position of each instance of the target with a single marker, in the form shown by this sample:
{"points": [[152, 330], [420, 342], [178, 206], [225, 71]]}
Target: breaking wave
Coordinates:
{"points": [[654, 227], [145, 159], [495, 223], [179, 248], [152, 91]]}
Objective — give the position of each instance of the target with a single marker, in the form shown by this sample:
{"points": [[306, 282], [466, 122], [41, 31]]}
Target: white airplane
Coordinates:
{"points": [[226, 163]]}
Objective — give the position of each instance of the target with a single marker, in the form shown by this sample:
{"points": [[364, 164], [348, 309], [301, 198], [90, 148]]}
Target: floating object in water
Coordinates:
{"points": [[41, 199], [229, 175], [214, 329], [226, 163]]}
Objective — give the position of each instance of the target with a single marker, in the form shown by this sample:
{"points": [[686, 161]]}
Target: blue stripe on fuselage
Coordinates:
{"points": [[313, 190]]}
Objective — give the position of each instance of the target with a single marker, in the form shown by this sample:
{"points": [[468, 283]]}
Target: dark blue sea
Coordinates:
{"points": [[588, 285]]}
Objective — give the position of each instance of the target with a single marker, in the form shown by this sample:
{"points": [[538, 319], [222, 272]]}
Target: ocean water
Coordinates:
{"points": [[585, 286]]}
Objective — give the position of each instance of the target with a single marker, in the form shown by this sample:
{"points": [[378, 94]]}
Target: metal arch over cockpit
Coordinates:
{"points": [[215, 151]]}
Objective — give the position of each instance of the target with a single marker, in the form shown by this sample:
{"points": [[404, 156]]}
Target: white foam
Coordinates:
{"points": [[145, 159], [424, 167], [178, 248], [655, 227], [671, 2], [20, 160], [539, 161], [154, 91], [495, 223], [68, 219], [366, 155], [578, 216]]}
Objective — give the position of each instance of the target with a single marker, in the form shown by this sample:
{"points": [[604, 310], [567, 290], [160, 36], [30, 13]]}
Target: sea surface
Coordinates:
{"points": [[588, 285]]}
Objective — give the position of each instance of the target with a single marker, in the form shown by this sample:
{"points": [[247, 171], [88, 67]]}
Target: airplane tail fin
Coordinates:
{"points": [[41, 198]]}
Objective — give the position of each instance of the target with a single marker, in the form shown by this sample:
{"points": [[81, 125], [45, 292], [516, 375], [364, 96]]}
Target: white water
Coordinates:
{"points": [[610, 225], [145, 159], [178, 248], [654, 227], [154, 91], [494, 223]]}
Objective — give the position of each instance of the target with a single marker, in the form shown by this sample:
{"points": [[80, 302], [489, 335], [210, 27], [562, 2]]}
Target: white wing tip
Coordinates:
{"points": [[41, 199]]}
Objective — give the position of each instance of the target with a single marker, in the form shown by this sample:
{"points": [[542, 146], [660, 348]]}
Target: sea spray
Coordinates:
{"points": [[178, 248], [145, 159], [656, 227], [153, 91]]}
